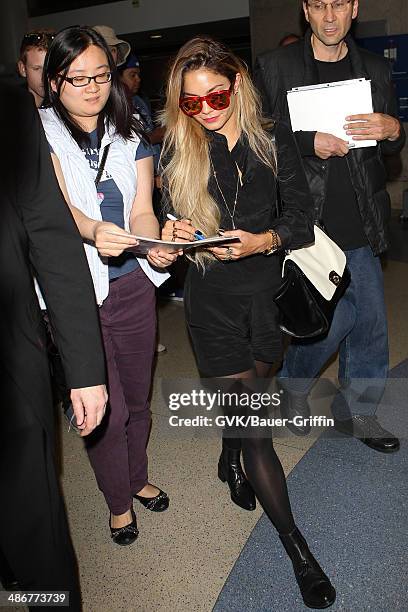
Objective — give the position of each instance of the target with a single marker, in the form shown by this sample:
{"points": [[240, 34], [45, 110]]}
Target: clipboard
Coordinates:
{"points": [[149, 243], [324, 108]]}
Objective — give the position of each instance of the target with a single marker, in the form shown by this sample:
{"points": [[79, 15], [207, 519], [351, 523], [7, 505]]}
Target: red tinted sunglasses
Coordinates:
{"points": [[193, 105]]}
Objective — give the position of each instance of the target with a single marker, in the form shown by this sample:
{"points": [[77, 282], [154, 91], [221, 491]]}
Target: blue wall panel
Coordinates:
{"points": [[395, 49]]}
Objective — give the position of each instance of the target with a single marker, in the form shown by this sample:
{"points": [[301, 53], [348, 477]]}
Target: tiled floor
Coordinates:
{"points": [[183, 556]]}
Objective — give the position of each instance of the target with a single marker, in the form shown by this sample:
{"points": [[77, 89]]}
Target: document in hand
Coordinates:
{"points": [[149, 243], [324, 108]]}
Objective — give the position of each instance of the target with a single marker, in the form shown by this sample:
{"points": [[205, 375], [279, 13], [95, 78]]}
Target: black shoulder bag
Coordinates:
{"points": [[315, 277]]}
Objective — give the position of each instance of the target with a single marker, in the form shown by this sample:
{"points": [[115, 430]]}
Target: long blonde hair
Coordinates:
{"points": [[185, 152]]}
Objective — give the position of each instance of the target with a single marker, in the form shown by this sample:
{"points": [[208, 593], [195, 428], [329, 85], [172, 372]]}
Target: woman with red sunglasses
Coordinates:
{"points": [[222, 167]]}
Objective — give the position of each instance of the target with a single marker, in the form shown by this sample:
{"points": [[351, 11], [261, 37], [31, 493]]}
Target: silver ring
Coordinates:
{"points": [[229, 253]]}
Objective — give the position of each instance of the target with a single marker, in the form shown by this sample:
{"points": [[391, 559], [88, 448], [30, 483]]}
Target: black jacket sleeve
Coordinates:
{"points": [[295, 223], [274, 102], [305, 142], [57, 255], [389, 147]]}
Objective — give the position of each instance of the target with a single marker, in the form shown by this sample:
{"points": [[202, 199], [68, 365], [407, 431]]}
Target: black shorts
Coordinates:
{"points": [[230, 332]]}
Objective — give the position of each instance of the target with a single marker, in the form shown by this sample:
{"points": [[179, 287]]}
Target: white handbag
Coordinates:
{"points": [[314, 279]]}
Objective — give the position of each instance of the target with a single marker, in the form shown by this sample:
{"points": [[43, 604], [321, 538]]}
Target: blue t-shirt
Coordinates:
{"points": [[144, 111], [111, 202]]}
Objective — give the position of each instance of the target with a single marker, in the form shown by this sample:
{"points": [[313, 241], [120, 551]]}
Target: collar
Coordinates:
{"points": [[52, 122], [214, 136]]}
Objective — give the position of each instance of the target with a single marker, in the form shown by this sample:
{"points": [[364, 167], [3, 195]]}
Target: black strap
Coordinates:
{"points": [[102, 164], [278, 202]]}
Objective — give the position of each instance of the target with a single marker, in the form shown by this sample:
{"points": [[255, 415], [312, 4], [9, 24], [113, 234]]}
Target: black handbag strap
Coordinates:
{"points": [[278, 202], [102, 164]]}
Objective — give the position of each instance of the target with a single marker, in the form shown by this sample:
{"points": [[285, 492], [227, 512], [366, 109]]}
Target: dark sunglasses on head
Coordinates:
{"points": [[37, 38], [193, 105]]}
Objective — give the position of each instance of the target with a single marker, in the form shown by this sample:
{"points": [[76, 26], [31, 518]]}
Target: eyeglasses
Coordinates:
{"points": [[38, 38], [339, 6], [193, 105], [82, 81]]}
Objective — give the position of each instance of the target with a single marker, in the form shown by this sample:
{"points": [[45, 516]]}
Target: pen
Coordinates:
{"points": [[198, 235]]}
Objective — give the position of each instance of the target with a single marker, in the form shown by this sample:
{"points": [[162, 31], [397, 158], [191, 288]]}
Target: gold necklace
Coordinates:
{"points": [[232, 215]]}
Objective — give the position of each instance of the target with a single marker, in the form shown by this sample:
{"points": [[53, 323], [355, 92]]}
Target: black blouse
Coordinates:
{"points": [[257, 210]]}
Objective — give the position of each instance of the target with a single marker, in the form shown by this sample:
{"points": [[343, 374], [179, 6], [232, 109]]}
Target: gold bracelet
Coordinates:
{"points": [[274, 242]]}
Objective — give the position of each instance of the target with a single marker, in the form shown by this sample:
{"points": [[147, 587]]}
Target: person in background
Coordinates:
{"points": [[33, 49], [94, 138], [37, 233], [222, 166], [130, 75], [350, 196], [119, 49], [288, 39]]}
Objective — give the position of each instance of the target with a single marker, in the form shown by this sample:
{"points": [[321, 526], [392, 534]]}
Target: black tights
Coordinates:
{"points": [[262, 465]]}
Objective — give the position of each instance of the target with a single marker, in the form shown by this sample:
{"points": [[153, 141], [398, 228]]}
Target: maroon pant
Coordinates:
{"points": [[117, 448]]}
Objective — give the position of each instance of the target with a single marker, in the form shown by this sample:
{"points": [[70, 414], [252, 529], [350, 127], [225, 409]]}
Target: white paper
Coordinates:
{"points": [[148, 243], [324, 108]]}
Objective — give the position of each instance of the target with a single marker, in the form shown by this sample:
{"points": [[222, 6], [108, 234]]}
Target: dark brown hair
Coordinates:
{"points": [[36, 39], [67, 45]]}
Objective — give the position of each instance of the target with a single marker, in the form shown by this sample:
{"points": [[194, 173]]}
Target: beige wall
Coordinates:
{"points": [[271, 19], [125, 17], [394, 12]]}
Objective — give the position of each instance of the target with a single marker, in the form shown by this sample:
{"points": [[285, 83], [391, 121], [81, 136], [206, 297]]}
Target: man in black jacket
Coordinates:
{"points": [[350, 198], [38, 236]]}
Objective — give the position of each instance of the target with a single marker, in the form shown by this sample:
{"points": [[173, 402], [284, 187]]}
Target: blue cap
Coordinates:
{"points": [[131, 62]]}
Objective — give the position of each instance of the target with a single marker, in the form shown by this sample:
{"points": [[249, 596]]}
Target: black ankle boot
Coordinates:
{"points": [[230, 470], [315, 587]]}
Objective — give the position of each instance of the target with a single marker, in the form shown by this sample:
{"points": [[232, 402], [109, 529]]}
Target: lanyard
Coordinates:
{"points": [[102, 164]]}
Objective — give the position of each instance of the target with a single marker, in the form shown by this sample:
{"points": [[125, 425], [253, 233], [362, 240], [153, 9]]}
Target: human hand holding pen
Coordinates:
{"points": [[180, 230]]}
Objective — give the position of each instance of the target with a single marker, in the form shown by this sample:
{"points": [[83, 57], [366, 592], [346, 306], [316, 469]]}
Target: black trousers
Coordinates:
{"points": [[34, 536]]}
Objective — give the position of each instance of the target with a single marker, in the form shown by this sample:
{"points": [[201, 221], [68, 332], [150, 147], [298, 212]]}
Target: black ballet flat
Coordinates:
{"points": [[159, 503], [125, 535]]}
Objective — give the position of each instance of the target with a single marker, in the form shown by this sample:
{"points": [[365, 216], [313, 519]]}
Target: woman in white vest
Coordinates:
{"points": [[95, 144]]}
